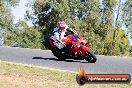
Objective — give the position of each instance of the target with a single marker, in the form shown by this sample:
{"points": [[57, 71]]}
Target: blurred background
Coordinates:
{"points": [[106, 24]]}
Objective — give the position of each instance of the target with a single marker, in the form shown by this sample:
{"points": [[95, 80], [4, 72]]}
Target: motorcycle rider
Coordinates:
{"points": [[59, 33]]}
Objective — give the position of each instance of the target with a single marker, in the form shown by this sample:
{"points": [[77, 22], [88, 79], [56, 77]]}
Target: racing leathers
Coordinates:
{"points": [[59, 35]]}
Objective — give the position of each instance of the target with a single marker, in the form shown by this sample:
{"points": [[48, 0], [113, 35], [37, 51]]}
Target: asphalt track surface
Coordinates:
{"points": [[44, 58]]}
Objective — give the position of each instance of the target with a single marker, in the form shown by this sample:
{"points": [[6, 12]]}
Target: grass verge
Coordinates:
{"points": [[24, 76]]}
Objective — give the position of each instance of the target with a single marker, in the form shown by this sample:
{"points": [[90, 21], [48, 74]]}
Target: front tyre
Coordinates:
{"points": [[90, 57]]}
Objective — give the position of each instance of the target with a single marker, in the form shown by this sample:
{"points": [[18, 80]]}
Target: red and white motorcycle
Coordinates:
{"points": [[74, 48]]}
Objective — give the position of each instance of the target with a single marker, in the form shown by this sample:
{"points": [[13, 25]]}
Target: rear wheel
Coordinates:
{"points": [[58, 54], [90, 57]]}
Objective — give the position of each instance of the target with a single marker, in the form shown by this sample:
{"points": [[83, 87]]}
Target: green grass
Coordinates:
{"points": [[24, 76]]}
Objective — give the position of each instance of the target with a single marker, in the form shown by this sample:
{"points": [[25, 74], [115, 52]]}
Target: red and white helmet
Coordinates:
{"points": [[61, 25]]}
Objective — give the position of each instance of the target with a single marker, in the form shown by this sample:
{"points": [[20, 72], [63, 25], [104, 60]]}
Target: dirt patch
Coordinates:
{"points": [[31, 80], [12, 79]]}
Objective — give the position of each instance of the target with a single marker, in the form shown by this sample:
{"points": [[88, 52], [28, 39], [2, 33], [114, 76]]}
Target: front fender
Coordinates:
{"points": [[84, 49]]}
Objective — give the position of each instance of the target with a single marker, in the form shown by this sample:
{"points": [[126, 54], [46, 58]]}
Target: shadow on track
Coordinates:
{"points": [[55, 59], [45, 58]]}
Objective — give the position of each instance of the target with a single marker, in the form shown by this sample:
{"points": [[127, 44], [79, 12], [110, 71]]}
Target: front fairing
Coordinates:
{"points": [[75, 38]]}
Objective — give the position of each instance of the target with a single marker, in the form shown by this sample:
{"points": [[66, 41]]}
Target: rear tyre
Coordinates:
{"points": [[60, 58], [58, 54], [90, 57]]}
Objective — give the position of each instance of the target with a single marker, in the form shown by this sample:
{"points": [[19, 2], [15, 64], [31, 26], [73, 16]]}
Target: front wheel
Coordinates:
{"points": [[90, 57]]}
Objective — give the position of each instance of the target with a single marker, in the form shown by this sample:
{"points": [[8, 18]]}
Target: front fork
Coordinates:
{"points": [[80, 52], [84, 49]]}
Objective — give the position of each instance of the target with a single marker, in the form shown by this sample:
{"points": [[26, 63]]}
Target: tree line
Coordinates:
{"points": [[102, 22]]}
